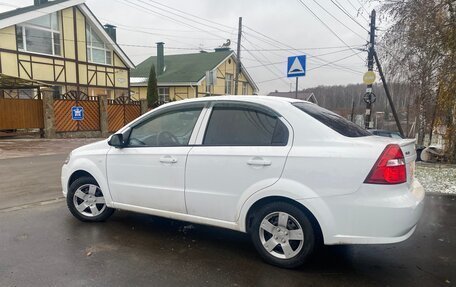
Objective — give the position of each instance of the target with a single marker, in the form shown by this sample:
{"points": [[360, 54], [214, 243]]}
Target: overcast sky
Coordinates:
{"points": [[287, 24]]}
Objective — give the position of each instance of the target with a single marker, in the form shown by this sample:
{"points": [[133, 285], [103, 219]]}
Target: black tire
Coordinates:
{"points": [[105, 213], [296, 214]]}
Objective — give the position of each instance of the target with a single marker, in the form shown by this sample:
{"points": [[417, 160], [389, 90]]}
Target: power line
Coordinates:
{"points": [[139, 31], [280, 72], [136, 6], [357, 11], [339, 6], [326, 25], [153, 28], [307, 48], [164, 34], [120, 44], [193, 15], [362, 6], [140, 7], [183, 17], [267, 67], [310, 57], [288, 46], [318, 67], [335, 18]]}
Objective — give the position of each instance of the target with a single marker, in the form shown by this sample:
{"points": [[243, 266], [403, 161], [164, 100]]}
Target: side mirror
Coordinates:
{"points": [[120, 140], [116, 141]]}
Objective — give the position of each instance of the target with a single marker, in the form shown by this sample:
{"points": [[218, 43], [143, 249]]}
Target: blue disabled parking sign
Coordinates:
{"points": [[296, 66], [77, 113]]}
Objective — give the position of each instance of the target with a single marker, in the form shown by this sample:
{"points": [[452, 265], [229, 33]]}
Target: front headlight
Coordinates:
{"points": [[67, 160]]}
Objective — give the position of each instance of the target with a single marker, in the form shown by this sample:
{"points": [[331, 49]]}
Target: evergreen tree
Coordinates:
{"points": [[152, 90]]}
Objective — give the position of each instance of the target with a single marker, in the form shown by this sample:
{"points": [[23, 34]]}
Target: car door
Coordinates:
{"points": [[241, 149], [149, 171]]}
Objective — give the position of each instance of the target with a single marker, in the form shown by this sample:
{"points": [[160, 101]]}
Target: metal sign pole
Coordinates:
{"points": [[296, 68], [296, 93]]}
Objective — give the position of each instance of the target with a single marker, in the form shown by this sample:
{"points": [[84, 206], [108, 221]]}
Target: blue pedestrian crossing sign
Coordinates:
{"points": [[77, 113], [296, 66]]}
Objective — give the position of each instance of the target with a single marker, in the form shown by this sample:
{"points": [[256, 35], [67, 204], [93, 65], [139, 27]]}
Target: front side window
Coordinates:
{"points": [[40, 35], [97, 51], [163, 95], [228, 83], [172, 128], [237, 125]]}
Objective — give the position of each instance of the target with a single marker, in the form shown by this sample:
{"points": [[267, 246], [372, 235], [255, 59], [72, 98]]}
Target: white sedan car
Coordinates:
{"points": [[288, 172]]}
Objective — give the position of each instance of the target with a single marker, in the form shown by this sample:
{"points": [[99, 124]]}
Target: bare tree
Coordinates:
{"points": [[419, 47]]}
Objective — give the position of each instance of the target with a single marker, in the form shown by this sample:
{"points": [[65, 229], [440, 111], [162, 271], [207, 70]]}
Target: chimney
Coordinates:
{"points": [[111, 30], [160, 58], [39, 2]]}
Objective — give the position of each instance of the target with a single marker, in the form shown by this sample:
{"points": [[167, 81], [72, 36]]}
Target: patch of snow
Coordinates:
{"points": [[437, 178]]}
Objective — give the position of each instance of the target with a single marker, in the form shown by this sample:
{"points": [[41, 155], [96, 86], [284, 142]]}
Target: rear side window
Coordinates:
{"points": [[237, 125], [333, 120]]}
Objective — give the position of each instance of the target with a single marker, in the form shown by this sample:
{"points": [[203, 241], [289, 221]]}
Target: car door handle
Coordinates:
{"points": [[258, 161], [168, 159]]}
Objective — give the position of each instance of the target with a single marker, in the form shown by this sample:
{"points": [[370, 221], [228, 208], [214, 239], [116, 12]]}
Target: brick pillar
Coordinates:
{"points": [[48, 112], [143, 103], [103, 105]]}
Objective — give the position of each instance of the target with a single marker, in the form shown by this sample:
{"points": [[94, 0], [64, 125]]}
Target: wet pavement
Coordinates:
{"points": [[41, 244], [15, 148]]}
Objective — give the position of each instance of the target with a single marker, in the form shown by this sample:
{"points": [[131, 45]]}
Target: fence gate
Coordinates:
{"points": [[21, 114], [63, 112], [122, 111]]}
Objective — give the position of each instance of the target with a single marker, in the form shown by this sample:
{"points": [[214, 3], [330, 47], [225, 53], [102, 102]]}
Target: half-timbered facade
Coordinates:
{"points": [[61, 43]]}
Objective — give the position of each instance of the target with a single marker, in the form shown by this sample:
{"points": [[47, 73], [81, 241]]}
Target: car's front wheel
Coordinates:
{"points": [[283, 234], [86, 201]]}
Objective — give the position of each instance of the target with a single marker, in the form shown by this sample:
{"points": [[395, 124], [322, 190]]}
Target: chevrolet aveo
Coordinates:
{"points": [[288, 172]]}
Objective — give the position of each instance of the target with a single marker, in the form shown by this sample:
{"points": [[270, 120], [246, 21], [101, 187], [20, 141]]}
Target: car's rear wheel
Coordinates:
{"points": [[283, 234], [86, 201]]}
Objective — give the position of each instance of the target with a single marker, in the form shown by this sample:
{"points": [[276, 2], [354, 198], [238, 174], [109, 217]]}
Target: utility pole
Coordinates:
{"points": [[238, 56], [370, 67], [369, 97]]}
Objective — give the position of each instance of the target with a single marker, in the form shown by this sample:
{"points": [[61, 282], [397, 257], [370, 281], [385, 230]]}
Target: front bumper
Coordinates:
{"points": [[64, 176], [372, 215]]}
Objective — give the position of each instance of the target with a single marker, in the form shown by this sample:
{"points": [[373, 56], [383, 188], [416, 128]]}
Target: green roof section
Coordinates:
{"points": [[26, 9], [182, 68]]}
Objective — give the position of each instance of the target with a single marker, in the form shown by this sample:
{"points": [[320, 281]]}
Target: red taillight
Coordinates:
{"points": [[389, 168]]}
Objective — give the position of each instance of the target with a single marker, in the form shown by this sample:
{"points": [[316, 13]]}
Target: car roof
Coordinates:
{"points": [[266, 100]]}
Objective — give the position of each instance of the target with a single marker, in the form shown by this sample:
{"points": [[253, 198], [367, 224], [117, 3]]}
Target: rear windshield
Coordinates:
{"points": [[333, 120]]}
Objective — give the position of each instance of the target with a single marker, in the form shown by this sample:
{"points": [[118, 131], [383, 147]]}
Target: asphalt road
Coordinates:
{"points": [[28, 180], [41, 244]]}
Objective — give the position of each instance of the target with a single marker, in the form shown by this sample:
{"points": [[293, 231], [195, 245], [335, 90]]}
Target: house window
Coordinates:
{"points": [[245, 88], [97, 51], [40, 35], [228, 84], [163, 95]]}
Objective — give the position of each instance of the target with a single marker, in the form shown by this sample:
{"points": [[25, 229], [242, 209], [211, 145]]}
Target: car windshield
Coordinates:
{"points": [[332, 120]]}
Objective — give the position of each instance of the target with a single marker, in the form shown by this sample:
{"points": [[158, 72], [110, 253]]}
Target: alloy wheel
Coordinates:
{"points": [[89, 200], [281, 235]]}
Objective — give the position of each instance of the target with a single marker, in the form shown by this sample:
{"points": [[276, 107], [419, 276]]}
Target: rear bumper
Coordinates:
{"points": [[371, 215]]}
